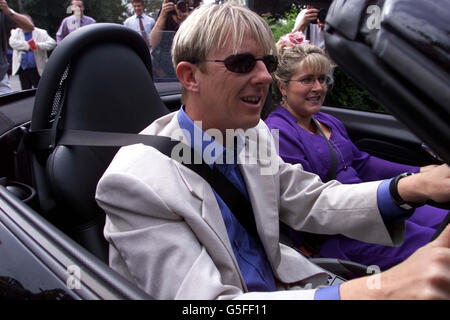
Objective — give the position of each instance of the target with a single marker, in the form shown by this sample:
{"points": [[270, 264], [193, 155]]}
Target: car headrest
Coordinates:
{"points": [[99, 71], [99, 79]]}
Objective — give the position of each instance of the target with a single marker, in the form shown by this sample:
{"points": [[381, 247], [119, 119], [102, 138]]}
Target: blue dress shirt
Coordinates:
{"points": [[27, 61], [388, 209], [249, 253]]}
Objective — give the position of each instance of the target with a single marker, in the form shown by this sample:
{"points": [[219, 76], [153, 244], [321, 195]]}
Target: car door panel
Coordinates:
{"points": [[45, 263], [382, 135]]}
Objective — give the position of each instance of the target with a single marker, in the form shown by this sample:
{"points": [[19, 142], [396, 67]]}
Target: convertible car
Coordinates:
{"points": [[100, 79]]}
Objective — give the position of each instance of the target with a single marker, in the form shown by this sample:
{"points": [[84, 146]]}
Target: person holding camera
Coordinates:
{"points": [[73, 22], [170, 17], [311, 22]]}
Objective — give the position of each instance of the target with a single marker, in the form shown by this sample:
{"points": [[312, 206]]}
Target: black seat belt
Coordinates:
{"points": [[331, 174], [238, 204], [311, 243]]}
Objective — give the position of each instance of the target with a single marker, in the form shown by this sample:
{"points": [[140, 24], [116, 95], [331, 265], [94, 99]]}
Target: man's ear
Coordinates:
{"points": [[186, 74]]}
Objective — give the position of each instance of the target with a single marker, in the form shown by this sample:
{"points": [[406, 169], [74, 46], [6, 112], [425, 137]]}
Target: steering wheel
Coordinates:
{"points": [[441, 227], [441, 205]]}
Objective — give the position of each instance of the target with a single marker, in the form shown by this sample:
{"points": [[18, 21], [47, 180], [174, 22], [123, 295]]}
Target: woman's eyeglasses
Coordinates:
{"points": [[309, 81], [245, 62]]}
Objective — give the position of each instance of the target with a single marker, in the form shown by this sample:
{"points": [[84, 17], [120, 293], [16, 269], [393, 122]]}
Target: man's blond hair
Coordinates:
{"points": [[210, 27]]}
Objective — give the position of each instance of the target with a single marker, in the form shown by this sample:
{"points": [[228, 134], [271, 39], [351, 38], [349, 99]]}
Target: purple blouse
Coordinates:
{"points": [[312, 151]]}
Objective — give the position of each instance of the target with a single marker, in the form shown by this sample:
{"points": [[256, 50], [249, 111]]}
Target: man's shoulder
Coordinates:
{"points": [[147, 17], [129, 19], [137, 158], [15, 31], [39, 30], [90, 19], [66, 18]]}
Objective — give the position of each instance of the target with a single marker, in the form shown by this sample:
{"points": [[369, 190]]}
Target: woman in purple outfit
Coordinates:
{"points": [[302, 79]]}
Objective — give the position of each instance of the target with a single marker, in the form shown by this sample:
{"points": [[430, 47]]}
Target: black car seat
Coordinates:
{"points": [[98, 79]]}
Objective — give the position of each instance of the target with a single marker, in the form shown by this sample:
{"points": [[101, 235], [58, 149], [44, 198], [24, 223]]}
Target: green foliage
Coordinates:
{"points": [[282, 26], [345, 92], [106, 10]]}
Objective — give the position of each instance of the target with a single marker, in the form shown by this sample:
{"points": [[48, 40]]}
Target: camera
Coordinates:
{"points": [[183, 5], [321, 15]]}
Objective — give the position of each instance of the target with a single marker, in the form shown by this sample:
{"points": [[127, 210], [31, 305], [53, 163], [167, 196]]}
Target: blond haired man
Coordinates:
{"points": [[175, 237]]}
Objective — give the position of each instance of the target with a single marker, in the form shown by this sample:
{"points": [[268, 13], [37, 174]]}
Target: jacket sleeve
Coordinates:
{"points": [[17, 42], [155, 248], [45, 42]]}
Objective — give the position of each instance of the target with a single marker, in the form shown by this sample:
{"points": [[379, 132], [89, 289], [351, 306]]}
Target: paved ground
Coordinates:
{"points": [[15, 83]]}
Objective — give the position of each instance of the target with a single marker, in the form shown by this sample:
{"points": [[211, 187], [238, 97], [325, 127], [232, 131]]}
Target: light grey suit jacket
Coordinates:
{"points": [[167, 235]]}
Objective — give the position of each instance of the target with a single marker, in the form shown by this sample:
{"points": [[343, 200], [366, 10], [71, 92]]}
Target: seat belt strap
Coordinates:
{"points": [[331, 174], [239, 205]]}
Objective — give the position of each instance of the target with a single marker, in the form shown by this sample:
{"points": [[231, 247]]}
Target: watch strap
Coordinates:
{"points": [[396, 198]]}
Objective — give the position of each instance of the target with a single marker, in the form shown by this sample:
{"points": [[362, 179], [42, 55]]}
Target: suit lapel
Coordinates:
{"points": [[256, 168], [201, 190], [264, 203]]}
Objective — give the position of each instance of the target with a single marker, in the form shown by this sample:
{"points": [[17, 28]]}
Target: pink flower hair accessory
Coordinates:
{"points": [[293, 39]]}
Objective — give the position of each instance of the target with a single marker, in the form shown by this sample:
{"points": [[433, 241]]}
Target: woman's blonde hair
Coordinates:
{"points": [[209, 27], [292, 58]]}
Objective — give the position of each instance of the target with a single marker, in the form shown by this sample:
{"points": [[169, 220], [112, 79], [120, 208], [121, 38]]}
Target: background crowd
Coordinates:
{"points": [[25, 47], [282, 16]]}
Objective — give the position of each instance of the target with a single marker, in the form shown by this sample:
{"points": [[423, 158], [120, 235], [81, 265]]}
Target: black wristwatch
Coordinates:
{"points": [[393, 190]]}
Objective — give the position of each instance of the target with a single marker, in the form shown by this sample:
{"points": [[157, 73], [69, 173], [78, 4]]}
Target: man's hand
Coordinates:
{"points": [[4, 7], [20, 20], [424, 275], [309, 16], [166, 8], [427, 168], [432, 184]]}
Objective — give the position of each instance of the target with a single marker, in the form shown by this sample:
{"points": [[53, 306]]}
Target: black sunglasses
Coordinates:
{"points": [[245, 62]]}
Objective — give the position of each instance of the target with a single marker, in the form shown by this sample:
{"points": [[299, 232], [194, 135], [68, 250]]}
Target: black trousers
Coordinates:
{"points": [[29, 78]]}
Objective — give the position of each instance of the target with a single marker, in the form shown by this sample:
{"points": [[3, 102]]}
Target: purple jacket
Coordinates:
{"points": [[68, 25], [312, 151]]}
